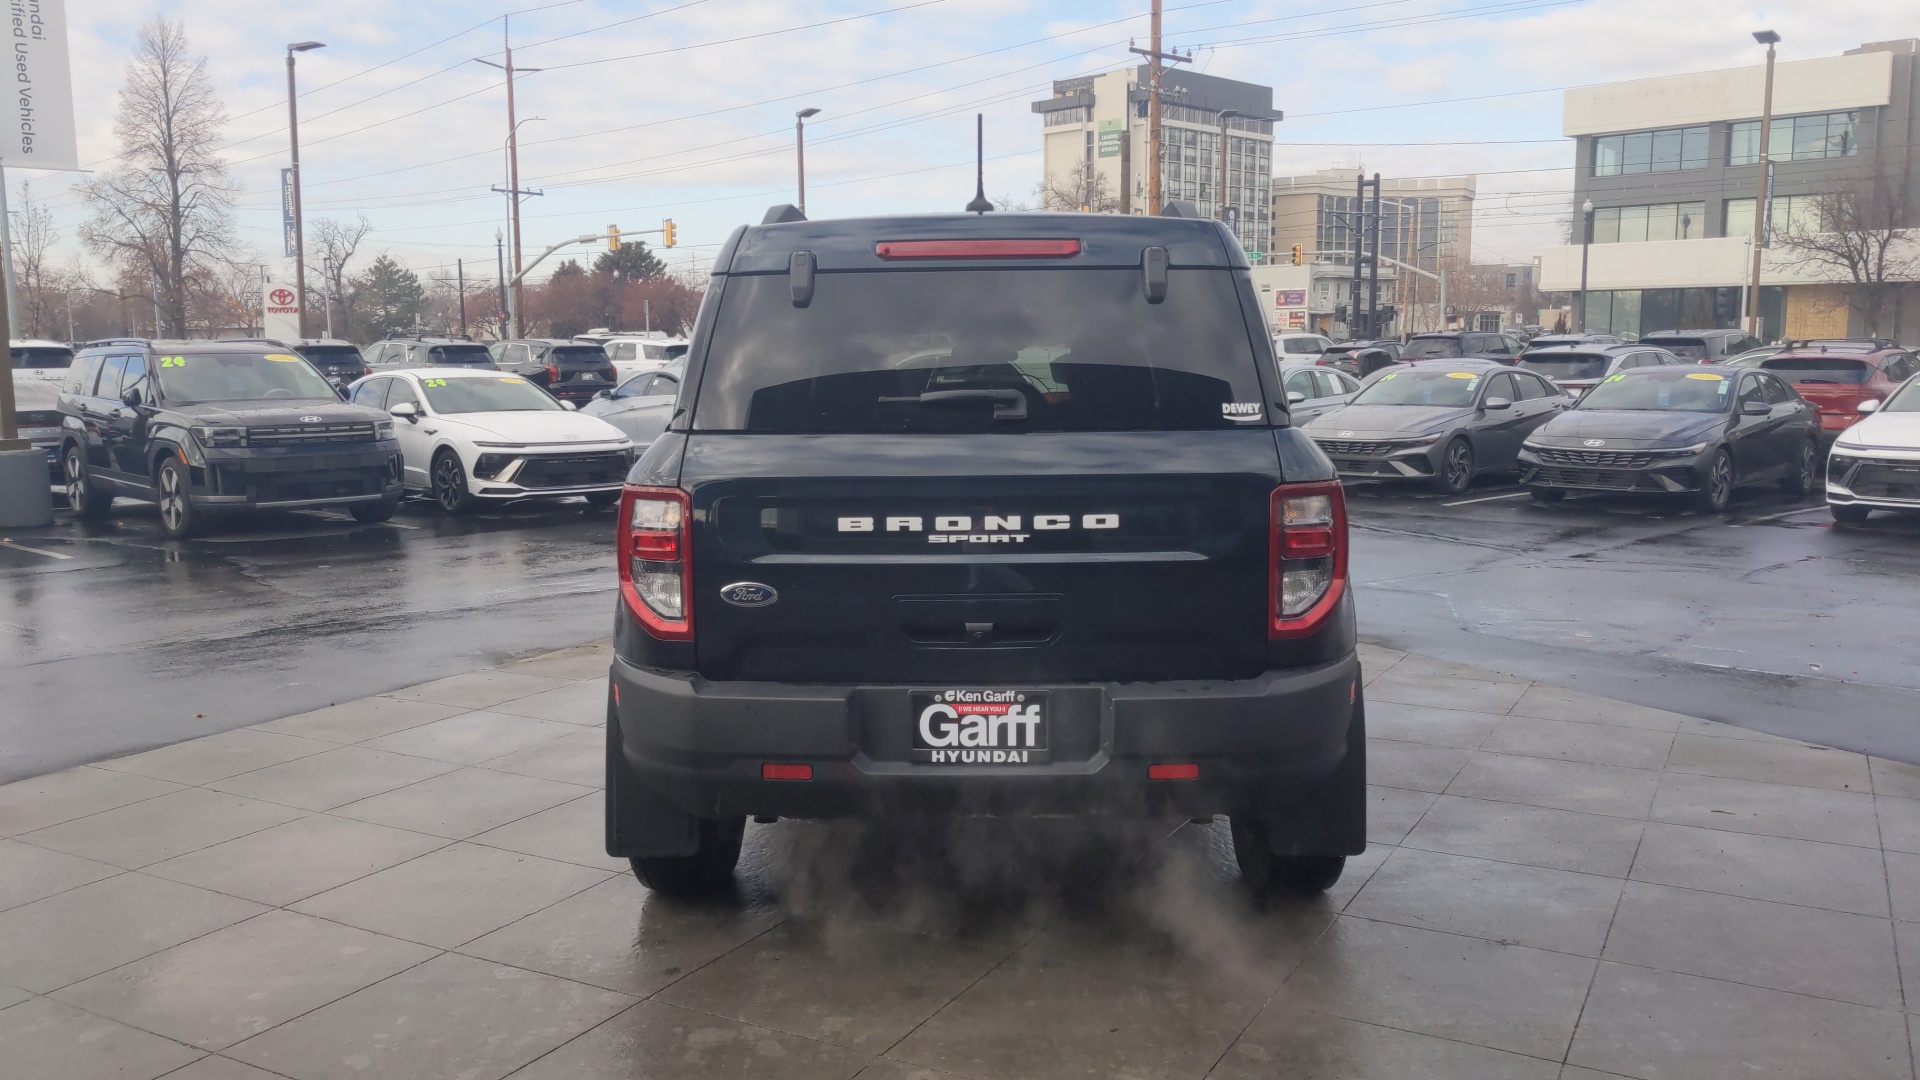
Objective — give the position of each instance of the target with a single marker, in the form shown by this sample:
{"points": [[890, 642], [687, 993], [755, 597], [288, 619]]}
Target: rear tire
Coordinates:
{"points": [[374, 513], [83, 498], [1804, 475], [1546, 495], [179, 518], [1289, 875], [706, 871], [1850, 515], [1455, 474]]}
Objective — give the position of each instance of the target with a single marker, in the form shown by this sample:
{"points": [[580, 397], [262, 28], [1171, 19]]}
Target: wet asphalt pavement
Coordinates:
{"points": [[113, 639]]}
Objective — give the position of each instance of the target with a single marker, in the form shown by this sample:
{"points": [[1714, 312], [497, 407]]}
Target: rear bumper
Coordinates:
{"points": [[1265, 746]]}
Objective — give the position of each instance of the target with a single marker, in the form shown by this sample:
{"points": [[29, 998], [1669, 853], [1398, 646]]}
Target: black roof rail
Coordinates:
{"points": [[115, 341], [782, 214]]}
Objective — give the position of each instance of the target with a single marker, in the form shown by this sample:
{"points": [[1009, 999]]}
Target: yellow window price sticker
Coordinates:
{"points": [[512, 378], [173, 361], [1703, 376], [433, 382], [282, 358], [1461, 375], [1390, 376], [1617, 376]]}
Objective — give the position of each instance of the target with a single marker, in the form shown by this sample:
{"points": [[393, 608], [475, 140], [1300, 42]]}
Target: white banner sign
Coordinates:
{"points": [[281, 320], [40, 117]]}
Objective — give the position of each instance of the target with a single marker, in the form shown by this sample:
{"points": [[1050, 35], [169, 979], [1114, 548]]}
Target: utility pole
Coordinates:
{"points": [[800, 151], [1373, 267], [1154, 59], [299, 227], [1357, 221], [1763, 199], [460, 275], [499, 255], [513, 163], [1226, 117]]}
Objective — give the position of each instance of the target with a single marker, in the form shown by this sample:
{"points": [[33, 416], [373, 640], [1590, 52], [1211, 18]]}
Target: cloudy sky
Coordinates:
{"points": [[684, 108]]}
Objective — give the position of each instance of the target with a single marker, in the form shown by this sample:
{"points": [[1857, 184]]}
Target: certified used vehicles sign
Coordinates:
{"points": [[980, 727]]}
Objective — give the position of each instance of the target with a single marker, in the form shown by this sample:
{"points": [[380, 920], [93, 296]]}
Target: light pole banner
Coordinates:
{"points": [[286, 210], [40, 128], [281, 319]]}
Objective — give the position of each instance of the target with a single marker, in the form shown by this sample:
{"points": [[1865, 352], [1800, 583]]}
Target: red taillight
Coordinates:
{"points": [[786, 772], [553, 374], [977, 249], [1173, 772], [656, 573], [1307, 555]]}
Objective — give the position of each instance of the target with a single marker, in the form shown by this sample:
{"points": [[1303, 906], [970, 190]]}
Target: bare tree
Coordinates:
{"points": [[1092, 191], [39, 279], [1853, 236], [334, 244], [165, 213]]}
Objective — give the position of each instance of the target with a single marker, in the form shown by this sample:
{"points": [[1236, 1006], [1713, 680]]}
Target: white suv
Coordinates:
{"points": [[635, 354]]}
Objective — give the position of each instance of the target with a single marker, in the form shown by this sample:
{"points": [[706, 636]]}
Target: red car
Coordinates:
{"points": [[1837, 376]]}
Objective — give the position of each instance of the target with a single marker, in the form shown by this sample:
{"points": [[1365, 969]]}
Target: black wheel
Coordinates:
{"points": [[179, 518], [373, 513], [1455, 474], [1850, 515], [450, 484], [1269, 874], [708, 870], [1716, 489], [86, 500], [603, 498], [1801, 480], [1546, 495]]}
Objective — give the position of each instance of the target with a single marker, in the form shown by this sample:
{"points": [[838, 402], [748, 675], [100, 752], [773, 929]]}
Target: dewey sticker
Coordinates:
{"points": [[1240, 410]]}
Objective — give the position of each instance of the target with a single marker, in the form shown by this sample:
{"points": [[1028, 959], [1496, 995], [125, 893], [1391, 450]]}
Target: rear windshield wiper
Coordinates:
{"points": [[1008, 404]]}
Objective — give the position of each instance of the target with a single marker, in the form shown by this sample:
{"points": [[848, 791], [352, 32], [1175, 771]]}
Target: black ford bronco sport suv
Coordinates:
{"points": [[205, 427], [983, 515]]}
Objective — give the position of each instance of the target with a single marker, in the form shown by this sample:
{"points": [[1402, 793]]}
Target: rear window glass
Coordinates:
{"points": [[331, 355], [1802, 370], [1429, 348], [580, 354], [1575, 366], [37, 357], [459, 354], [1687, 348], [980, 351]]}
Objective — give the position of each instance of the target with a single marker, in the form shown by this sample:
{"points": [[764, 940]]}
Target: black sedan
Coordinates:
{"points": [[1690, 429], [1443, 422], [1361, 358]]}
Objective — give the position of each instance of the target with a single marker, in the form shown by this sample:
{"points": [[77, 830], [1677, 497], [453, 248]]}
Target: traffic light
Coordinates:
{"points": [[1299, 254], [667, 233], [613, 238]]}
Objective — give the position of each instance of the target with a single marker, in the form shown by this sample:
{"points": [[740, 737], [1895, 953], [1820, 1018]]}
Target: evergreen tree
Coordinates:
{"points": [[633, 262], [389, 298]]}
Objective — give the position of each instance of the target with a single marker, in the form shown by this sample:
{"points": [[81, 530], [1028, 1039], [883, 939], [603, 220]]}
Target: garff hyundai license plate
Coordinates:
{"points": [[980, 727]]}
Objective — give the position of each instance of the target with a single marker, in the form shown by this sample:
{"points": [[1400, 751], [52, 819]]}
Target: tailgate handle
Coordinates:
{"points": [[981, 622]]}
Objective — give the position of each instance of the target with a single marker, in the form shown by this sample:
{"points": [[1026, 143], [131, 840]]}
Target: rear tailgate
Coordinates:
{"points": [[585, 364], [1075, 557]]}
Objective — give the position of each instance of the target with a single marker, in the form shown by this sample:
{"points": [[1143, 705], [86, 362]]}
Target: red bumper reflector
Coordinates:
{"points": [[977, 249], [786, 772], [1173, 772]]}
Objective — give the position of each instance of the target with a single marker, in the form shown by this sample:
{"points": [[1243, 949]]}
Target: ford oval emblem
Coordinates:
{"points": [[748, 594], [1595, 442]]}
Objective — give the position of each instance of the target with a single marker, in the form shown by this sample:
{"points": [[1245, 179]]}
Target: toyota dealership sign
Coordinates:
{"points": [[282, 318]]}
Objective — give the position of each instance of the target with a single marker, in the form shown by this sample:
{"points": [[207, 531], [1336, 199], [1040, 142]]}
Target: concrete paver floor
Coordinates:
{"points": [[412, 886]]}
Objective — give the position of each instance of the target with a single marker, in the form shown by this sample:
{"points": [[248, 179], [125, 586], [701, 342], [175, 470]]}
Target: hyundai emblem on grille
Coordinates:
{"points": [[310, 419], [1346, 434], [748, 594], [1595, 442]]}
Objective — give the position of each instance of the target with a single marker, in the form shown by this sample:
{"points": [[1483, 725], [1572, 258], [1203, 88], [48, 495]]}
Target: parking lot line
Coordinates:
{"points": [[35, 550], [1781, 514], [1488, 498]]}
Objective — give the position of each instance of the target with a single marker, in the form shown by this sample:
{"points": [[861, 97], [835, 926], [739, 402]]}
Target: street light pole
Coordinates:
{"points": [[800, 150], [299, 228], [1762, 199], [1586, 241]]}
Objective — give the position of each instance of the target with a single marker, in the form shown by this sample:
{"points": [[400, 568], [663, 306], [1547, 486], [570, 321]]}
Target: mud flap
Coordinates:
{"points": [[1333, 819], [640, 824]]}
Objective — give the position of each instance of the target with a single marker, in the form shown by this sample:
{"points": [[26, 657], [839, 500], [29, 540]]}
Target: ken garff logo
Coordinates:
{"points": [[310, 419], [1595, 442], [748, 594]]}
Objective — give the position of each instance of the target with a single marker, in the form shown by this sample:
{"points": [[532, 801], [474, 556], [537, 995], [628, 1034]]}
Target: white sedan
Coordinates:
{"points": [[472, 435], [1875, 464]]}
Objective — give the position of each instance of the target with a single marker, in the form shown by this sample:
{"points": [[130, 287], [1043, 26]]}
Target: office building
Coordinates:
{"points": [[1672, 167]]}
